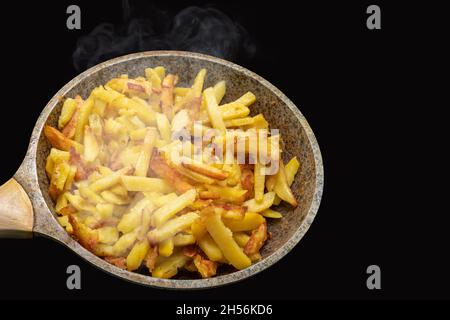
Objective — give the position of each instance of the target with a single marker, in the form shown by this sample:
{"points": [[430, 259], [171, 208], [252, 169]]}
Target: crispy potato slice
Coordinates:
{"points": [[257, 239], [228, 194], [87, 237], [204, 169], [205, 267], [224, 239], [60, 141], [160, 167]]}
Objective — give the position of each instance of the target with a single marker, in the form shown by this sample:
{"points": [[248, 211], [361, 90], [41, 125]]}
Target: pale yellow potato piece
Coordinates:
{"points": [[123, 244], [79, 203], [269, 213], [210, 248], [89, 195], [219, 90], [282, 188], [266, 202], [161, 200], [241, 238], [107, 182], [245, 100], [291, 169], [259, 184], [167, 211], [133, 218], [144, 184], [55, 156], [70, 178], [137, 255], [108, 235], [64, 222], [143, 160], [83, 118], [68, 109], [215, 115], [61, 202], [183, 239], [179, 91], [165, 248], [172, 227], [160, 71], [164, 127], [105, 210], [239, 122], [250, 222], [224, 239], [111, 197], [153, 77], [233, 111]]}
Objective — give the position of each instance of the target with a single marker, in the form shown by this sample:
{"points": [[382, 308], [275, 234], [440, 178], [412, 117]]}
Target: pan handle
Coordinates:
{"points": [[16, 211]]}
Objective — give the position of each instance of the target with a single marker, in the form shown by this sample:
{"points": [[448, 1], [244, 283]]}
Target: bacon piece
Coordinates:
{"points": [[135, 87], [150, 259]]}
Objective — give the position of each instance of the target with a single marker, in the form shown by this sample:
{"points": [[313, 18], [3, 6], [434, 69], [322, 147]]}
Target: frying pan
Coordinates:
{"points": [[26, 208]]}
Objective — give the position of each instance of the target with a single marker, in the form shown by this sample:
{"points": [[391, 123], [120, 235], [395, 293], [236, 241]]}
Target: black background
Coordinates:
{"points": [[358, 91]]}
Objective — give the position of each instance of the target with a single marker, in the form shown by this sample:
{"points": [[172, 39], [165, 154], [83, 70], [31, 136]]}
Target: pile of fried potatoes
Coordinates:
{"points": [[119, 191]]}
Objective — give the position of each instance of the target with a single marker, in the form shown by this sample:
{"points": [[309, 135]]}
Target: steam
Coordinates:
{"points": [[203, 30]]}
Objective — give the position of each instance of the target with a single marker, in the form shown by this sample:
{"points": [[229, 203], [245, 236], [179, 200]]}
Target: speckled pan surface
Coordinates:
{"points": [[281, 113]]}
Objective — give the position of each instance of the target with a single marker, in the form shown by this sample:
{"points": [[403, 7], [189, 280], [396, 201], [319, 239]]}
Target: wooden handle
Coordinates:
{"points": [[16, 212]]}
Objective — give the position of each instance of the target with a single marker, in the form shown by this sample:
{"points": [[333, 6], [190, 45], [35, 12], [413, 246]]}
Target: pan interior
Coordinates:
{"points": [[277, 112]]}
